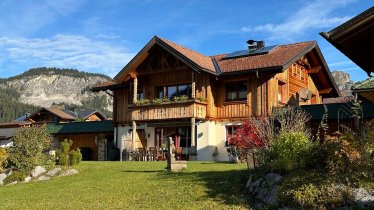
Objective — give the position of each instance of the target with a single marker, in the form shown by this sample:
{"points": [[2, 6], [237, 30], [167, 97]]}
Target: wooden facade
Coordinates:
{"points": [[168, 91], [208, 99]]}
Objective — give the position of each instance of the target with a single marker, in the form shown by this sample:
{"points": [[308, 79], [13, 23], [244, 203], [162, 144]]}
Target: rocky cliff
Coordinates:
{"points": [[44, 87], [343, 81]]}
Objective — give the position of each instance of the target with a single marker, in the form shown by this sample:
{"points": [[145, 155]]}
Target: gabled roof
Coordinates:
{"points": [[57, 112], [277, 59], [86, 114], [354, 38], [193, 59]]}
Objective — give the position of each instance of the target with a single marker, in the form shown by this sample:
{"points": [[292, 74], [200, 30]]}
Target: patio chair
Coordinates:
{"points": [[152, 154], [142, 154]]}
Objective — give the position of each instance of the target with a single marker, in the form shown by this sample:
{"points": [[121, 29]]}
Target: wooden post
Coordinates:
{"points": [[169, 154], [133, 134], [135, 95], [193, 86]]}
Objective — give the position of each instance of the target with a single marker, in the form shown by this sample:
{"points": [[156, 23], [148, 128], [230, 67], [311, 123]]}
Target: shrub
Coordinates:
{"points": [[66, 157], [63, 153], [75, 157], [29, 148], [287, 151], [305, 196], [18, 176], [315, 196], [3, 158], [184, 98]]}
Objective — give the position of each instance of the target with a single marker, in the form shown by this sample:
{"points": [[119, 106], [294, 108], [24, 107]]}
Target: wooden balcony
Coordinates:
{"points": [[178, 110]]}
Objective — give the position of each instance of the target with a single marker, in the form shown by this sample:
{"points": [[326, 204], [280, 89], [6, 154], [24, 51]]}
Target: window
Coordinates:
{"points": [[236, 91], [281, 92], [230, 130], [175, 90], [140, 92], [302, 73]]}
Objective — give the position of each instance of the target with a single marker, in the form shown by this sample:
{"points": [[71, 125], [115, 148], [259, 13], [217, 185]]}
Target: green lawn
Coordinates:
{"points": [[135, 185]]}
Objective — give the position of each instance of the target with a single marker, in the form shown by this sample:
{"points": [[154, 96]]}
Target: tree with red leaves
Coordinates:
{"points": [[254, 133]]}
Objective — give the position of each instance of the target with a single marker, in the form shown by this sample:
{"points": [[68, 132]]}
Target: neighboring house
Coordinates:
{"points": [[354, 38], [46, 115], [340, 116], [89, 130], [168, 90], [6, 136], [95, 139], [365, 89]]}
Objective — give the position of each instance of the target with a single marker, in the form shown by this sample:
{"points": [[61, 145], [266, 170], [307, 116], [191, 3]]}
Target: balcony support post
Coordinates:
{"points": [[133, 134], [193, 86], [135, 95]]}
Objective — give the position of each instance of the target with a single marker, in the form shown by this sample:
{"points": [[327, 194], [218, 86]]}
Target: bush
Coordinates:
{"points": [[66, 157], [288, 151], [29, 148], [18, 176], [3, 158], [315, 196], [75, 157], [305, 196]]}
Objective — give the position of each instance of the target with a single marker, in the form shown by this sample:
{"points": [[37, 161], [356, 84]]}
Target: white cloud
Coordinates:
{"points": [[341, 63], [66, 51], [27, 17], [316, 14]]}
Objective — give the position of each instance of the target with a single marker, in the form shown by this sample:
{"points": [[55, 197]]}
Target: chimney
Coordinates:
{"points": [[255, 45]]}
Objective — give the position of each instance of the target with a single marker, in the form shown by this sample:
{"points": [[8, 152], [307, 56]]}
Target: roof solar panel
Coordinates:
{"points": [[243, 53]]}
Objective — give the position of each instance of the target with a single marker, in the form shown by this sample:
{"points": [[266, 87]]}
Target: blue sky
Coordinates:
{"points": [[102, 36]]}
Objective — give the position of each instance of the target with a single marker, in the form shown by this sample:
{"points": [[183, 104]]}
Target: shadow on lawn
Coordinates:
{"points": [[225, 186]]}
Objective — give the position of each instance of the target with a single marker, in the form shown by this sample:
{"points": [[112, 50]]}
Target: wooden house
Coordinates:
{"points": [[168, 90], [354, 38], [47, 115]]}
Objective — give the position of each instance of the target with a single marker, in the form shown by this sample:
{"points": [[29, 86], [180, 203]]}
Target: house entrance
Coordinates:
{"points": [[181, 137]]}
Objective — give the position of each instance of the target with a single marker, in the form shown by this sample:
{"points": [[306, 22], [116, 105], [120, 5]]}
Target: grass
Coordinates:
{"points": [[135, 185]]}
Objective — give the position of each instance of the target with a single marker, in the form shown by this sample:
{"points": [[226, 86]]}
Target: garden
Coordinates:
{"points": [[294, 168]]}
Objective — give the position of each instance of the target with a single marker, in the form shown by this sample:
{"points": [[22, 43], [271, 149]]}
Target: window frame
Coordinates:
{"points": [[165, 91], [237, 90], [233, 128]]}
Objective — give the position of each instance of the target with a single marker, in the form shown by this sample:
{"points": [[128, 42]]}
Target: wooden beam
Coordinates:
{"points": [[314, 70], [135, 95], [325, 91], [193, 86]]}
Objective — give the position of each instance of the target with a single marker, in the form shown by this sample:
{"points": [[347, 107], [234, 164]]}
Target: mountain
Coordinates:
{"points": [[343, 81], [46, 87]]}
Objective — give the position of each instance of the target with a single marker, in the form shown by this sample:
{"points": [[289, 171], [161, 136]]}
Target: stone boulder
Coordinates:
{"points": [[2, 177], [265, 189], [364, 198], [28, 179], [39, 170], [69, 172], [53, 172], [43, 178]]}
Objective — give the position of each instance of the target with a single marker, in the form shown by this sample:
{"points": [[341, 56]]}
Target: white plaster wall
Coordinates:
{"points": [[124, 140], [206, 134], [221, 139]]}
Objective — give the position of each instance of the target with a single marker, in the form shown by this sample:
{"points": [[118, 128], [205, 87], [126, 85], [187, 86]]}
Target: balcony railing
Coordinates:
{"points": [[176, 110]]}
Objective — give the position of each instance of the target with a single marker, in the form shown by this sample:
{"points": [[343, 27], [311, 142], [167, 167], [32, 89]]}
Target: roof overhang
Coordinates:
{"points": [[354, 39], [144, 53]]}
